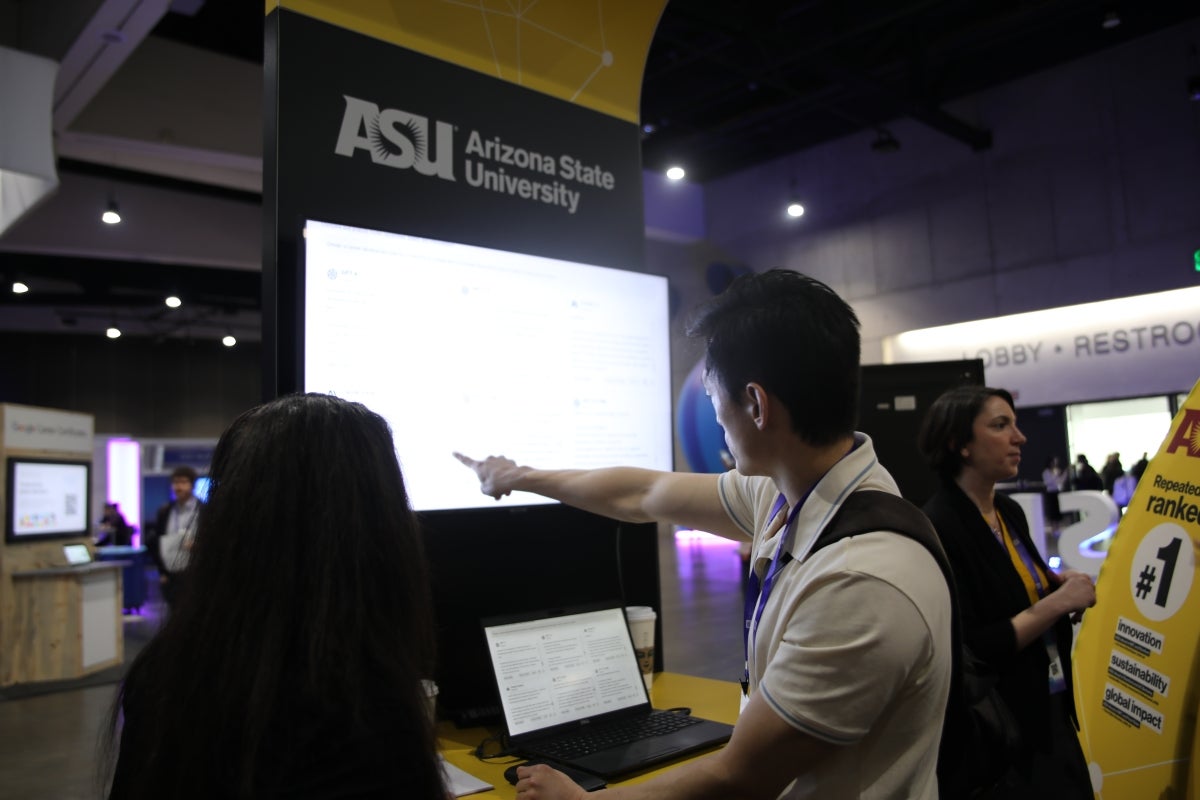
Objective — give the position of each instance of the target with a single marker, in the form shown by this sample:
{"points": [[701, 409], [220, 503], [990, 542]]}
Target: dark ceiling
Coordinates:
{"points": [[729, 86], [725, 90]]}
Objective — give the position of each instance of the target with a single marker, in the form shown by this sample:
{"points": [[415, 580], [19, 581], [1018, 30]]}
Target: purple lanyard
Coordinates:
{"points": [[757, 592]]}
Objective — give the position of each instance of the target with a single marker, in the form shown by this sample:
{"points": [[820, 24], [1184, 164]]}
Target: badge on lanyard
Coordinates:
{"points": [[1058, 681]]}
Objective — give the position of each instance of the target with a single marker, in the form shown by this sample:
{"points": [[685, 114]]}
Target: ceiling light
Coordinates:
{"points": [[173, 302], [795, 209], [228, 340], [19, 287], [113, 332], [1111, 20], [111, 215], [885, 142], [675, 173]]}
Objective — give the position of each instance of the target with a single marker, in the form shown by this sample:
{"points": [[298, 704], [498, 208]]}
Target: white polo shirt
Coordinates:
{"points": [[853, 645]]}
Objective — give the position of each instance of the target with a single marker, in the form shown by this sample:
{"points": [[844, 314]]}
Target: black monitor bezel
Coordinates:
{"points": [[10, 469]]}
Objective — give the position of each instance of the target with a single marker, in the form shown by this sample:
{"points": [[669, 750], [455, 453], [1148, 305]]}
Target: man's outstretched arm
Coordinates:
{"points": [[631, 494]]}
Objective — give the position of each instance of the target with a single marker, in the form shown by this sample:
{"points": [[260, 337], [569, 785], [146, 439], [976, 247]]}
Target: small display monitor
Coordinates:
{"points": [[47, 499], [77, 554]]}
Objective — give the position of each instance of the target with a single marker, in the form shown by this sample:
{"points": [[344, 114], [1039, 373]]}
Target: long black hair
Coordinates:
{"points": [[304, 615]]}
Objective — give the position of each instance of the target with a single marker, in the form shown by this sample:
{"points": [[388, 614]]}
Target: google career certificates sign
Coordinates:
{"points": [[1137, 674]]}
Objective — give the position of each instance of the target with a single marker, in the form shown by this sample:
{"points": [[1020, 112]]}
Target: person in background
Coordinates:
{"points": [[1016, 613], [1139, 467], [291, 666], [1054, 477], [1123, 488], [1085, 478], [175, 528], [114, 530], [1111, 470], [848, 668]]}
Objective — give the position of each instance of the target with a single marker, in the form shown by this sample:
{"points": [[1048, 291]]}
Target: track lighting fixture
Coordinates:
{"points": [[112, 214], [884, 141]]}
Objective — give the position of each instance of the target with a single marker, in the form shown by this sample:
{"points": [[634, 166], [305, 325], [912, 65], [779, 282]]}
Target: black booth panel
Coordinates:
{"points": [[1045, 428], [496, 562], [894, 400]]}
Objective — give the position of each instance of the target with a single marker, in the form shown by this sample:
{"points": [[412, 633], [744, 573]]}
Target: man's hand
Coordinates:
{"points": [[497, 474], [541, 782]]}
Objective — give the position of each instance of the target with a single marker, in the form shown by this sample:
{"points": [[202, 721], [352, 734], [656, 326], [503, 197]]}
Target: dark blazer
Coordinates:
{"points": [[990, 593]]}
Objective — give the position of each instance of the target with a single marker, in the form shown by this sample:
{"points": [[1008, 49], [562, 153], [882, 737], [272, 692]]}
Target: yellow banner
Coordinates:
{"points": [[588, 52], [1137, 675]]}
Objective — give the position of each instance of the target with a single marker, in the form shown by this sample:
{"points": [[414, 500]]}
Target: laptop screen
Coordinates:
{"points": [[557, 670], [77, 554]]}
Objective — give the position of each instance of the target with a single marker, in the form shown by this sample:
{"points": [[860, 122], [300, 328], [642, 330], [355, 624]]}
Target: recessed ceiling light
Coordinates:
{"points": [[228, 340], [113, 332], [173, 302], [676, 173], [19, 288], [794, 209], [112, 214]]}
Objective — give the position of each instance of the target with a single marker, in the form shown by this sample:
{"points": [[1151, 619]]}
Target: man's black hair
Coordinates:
{"points": [[793, 335]]}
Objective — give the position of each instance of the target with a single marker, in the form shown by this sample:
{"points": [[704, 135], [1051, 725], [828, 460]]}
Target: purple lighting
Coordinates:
{"points": [[125, 481]]}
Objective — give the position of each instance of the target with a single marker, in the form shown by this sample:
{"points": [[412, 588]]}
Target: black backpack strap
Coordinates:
{"points": [[871, 511]]}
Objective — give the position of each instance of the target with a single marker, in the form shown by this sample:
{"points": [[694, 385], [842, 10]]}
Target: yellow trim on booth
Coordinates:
{"points": [[588, 52]]}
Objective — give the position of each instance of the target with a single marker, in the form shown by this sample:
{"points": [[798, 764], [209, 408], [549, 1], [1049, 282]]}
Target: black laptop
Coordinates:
{"points": [[572, 692]]}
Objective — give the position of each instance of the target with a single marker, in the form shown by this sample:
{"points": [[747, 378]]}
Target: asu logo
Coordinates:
{"points": [[1187, 435], [396, 138]]}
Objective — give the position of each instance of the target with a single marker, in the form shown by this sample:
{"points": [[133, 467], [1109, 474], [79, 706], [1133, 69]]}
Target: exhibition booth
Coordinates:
{"points": [[60, 613]]}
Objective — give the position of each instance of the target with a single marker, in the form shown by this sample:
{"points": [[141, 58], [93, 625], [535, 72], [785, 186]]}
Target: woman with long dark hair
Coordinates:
{"points": [[292, 664], [1016, 612]]}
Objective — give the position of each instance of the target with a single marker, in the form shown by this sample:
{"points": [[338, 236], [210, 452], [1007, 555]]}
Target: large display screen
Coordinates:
{"points": [[47, 499], [553, 363]]}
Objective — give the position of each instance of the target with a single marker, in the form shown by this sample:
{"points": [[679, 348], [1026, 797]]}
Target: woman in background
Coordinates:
{"points": [[1016, 612], [292, 665], [1054, 478]]}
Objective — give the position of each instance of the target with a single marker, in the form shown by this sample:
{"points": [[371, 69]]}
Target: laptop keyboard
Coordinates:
{"points": [[614, 734]]}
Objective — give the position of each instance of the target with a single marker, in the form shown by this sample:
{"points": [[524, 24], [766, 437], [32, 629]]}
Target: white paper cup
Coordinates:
{"points": [[431, 693], [641, 628]]}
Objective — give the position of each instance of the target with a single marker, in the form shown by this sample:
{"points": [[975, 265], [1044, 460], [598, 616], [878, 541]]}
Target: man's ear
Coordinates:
{"points": [[758, 403]]}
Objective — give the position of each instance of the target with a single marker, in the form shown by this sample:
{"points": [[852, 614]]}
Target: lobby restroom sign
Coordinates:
{"points": [[1136, 668]]}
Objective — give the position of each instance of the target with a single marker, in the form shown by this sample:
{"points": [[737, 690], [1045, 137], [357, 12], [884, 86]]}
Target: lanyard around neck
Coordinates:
{"points": [[758, 591]]}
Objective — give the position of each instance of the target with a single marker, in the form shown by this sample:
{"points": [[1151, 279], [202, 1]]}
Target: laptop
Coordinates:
{"points": [[77, 554], [572, 692]]}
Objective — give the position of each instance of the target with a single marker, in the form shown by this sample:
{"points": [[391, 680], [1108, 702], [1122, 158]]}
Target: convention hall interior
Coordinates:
{"points": [[936, 163]]}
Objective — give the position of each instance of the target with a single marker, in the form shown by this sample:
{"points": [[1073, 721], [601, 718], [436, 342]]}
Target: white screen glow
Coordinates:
{"points": [[553, 363]]}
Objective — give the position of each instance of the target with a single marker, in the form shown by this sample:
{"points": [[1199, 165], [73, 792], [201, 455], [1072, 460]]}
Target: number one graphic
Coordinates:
{"points": [[1168, 555]]}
